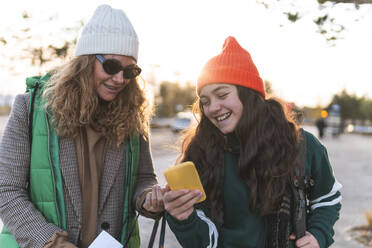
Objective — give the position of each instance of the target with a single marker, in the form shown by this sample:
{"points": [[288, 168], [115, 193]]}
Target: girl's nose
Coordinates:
{"points": [[214, 106], [118, 77]]}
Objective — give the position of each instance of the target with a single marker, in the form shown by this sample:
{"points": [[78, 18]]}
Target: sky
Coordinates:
{"points": [[178, 37]]}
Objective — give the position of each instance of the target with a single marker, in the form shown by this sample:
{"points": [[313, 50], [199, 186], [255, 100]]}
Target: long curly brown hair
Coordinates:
{"points": [[72, 102], [268, 152]]}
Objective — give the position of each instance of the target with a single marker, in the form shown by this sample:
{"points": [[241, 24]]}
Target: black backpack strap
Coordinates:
{"points": [[308, 181], [302, 149], [154, 231], [162, 232], [299, 191]]}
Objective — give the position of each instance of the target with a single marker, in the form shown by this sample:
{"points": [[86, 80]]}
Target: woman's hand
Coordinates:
{"points": [[307, 241], [154, 200], [180, 203]]}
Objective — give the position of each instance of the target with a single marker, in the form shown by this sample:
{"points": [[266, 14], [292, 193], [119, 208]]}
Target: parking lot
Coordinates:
{"points": [[350, 155]]}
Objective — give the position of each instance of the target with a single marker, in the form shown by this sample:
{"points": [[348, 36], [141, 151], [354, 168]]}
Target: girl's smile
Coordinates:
{"points": [[222, 106]]}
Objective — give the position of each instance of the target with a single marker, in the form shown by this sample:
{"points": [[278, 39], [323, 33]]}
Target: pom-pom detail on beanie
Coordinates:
{"points": [[233, 65], [109, 31]]}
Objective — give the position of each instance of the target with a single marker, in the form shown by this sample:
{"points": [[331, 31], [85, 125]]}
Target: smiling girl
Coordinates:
{"points": [[75, 157], [246, 150]]}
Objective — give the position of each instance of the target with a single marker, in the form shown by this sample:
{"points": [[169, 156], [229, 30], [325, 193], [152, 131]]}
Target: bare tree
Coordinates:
{"points": [[37, 46], [323, 13]]}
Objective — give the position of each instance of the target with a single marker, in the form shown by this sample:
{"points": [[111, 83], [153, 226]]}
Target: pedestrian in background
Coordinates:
{"points": [[74, 157], [247, 151], [321, 125]]}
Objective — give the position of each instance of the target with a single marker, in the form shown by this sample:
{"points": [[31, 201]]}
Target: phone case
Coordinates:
{"points": [[184, 176]]}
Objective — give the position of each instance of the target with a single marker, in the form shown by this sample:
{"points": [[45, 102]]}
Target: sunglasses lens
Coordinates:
{"points": [[111, 66], [131, 71]]}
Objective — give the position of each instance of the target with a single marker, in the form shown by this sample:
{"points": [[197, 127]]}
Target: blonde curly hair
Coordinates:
{"points": [[72, 102]]}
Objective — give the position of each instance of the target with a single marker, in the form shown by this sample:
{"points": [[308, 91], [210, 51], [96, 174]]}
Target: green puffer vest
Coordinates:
{"points": [[46, 188]]}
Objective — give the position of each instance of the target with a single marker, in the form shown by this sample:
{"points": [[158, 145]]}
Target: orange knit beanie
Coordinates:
{"points": [[233, 66]]}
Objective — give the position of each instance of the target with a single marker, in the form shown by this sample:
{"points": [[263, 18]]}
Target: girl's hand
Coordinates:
{"points": [[180, 203], [154, 200], [307, 241]]}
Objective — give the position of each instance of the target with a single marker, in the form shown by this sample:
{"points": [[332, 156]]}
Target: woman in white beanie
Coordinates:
{"points": [[74, 157]]}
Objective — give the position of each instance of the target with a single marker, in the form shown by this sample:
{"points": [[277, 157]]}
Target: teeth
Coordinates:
{"points": [[223, 117], [110, 87]]}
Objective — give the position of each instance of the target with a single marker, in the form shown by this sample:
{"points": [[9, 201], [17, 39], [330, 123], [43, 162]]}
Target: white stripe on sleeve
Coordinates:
{"points": [[330, 203], [212, 229], [336, 187]]}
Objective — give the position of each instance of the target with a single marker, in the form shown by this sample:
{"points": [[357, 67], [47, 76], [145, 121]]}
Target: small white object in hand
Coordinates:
{"points": [[105, 240]]}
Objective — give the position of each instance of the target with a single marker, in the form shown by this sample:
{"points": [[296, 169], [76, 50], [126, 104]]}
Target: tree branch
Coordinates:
{"points": [[347, 1]]}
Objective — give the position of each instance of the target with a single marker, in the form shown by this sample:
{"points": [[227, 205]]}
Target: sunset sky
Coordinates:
{"points": [[178, 37]]}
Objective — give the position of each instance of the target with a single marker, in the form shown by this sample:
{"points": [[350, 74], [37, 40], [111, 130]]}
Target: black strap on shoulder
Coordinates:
{"points": [[299, 191], [308, 181], [302, 150]]}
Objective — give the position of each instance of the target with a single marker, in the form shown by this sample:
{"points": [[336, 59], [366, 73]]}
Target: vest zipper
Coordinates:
{"points": [[129, 189], [52, 169]]}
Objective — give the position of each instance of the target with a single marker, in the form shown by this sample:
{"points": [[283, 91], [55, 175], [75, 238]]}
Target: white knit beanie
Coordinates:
{"points": [[109, 31]]}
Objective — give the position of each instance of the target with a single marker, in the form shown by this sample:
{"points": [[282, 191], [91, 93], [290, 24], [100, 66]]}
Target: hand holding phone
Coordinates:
{"points": [[184, 176]]}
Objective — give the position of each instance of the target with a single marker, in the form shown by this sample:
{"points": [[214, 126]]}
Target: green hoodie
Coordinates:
{"points": [[242, 228]]}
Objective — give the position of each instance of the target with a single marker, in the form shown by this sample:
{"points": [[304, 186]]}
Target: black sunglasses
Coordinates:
{"points": [[112, 66]]}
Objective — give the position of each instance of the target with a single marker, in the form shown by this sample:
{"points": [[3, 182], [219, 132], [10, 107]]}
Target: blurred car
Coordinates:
{"points": [[182, 121]]}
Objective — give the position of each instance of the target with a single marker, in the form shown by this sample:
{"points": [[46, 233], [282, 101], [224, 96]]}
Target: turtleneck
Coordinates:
{"points": [[232, 143]]}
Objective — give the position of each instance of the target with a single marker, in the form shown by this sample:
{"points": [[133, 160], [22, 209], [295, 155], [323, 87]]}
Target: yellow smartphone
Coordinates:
{"points": [[184, 176]]}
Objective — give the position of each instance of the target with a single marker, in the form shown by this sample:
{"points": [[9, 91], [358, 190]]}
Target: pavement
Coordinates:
{"points": [[349, 154], [351, 158]]}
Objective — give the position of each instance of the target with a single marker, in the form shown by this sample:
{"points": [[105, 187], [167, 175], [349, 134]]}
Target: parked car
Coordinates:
{"points": [[182, 121]]}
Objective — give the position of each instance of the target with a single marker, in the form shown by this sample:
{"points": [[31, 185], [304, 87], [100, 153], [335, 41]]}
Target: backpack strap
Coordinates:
{"points": [[302, 150], [300, 185], [154, 231], [307, 180]]}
